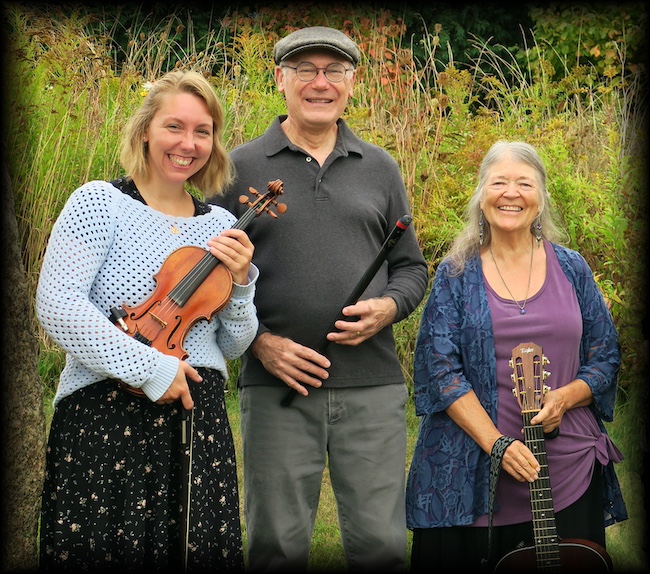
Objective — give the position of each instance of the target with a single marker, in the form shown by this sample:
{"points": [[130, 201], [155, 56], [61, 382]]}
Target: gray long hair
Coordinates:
{"points": [[466, 245]]}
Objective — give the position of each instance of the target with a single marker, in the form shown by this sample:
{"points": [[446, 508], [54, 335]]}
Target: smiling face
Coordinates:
{"points": [[318, 103], [179, 138], [511, 197]]}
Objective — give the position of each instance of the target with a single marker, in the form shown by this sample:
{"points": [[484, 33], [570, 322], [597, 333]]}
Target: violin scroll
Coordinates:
{"points": [[263, 202], [192, 285]]}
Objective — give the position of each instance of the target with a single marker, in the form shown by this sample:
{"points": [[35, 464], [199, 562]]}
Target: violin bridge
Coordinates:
{"points": [[158, 320]]}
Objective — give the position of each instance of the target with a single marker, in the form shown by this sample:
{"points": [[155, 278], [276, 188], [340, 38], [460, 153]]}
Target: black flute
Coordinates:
{"points": [[393, 237]]}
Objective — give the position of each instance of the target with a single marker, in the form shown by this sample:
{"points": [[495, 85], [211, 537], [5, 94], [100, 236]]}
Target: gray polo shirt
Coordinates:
{"points": [[311, 257]]}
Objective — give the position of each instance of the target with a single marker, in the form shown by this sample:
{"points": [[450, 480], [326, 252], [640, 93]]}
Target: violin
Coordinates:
{"points": [[191, 285]]}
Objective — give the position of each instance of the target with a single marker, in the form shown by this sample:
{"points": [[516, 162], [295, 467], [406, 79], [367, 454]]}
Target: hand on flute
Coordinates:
{"points": [[369, 317]]}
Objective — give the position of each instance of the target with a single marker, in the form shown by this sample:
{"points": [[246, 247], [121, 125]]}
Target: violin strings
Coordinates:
{"points": [[186, 284]]}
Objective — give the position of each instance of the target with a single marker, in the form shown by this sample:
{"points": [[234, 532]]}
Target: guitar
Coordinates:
{"points": [[549, 553]]}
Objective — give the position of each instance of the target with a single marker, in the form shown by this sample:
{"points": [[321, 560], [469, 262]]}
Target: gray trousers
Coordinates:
{"points": [[361, 434]]}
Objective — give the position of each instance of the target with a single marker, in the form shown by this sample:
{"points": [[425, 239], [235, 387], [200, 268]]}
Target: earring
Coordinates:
{"points": [[537, 225], [480, 228]]}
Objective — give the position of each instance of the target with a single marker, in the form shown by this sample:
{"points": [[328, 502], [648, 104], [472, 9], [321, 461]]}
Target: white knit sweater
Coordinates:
{"points": [[104, 250]]}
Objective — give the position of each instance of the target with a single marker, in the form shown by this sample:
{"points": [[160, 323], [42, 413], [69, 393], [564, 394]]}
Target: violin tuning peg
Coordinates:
{"points": [[281, 208]]}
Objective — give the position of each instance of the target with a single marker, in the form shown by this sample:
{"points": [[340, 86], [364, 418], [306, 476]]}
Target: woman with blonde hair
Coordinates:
{"points": [[112, 497]]}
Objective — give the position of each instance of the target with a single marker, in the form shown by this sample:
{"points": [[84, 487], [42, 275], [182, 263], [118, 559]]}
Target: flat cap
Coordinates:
{"points": [[314, 38]]}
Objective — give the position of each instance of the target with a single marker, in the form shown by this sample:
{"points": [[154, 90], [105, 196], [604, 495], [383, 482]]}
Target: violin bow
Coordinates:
{"points": [[393, 237], [187, 423], [143, 325]]}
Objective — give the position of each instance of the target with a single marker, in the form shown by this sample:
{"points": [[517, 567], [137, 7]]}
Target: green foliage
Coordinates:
{"points": [[496, 22], [50, 364], [434, 88], [608, 37]]}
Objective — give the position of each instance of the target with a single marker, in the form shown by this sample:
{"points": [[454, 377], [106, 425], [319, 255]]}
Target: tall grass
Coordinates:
{"points": [[71, 87]]}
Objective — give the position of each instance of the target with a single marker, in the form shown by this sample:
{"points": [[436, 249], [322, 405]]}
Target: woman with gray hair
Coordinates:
{"points": [[506, 300]]}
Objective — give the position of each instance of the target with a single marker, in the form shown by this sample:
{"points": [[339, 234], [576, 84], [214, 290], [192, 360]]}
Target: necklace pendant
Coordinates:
{"points": [[522, 312], [174, 229]]}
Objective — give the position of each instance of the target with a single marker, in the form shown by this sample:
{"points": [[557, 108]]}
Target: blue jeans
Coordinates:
{"points": [[361, 434]]}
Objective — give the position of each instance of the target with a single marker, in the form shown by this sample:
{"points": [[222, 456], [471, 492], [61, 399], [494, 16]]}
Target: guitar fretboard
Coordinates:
{"points": [[546, 540]]}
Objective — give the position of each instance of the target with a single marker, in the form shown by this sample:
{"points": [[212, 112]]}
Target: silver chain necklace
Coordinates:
{"points": [[522, 310]]}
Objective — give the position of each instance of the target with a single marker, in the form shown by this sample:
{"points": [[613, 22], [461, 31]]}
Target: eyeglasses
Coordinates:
{"points": [[306, 72]]}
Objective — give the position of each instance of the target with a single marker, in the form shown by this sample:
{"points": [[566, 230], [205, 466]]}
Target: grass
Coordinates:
{"points": [[626, 541], [69, 99]]}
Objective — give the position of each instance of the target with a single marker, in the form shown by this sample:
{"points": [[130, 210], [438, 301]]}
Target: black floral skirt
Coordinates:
{"points": [[116, 479]]}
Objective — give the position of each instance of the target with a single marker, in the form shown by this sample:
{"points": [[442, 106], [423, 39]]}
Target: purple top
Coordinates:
{"points": [[448, 479], [572, 454]]}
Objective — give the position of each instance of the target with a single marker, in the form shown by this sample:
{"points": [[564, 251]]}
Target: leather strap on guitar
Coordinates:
{"points": [[496, 455]]}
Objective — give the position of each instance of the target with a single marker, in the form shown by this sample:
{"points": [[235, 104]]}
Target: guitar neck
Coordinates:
{"points": [[546, 540]]}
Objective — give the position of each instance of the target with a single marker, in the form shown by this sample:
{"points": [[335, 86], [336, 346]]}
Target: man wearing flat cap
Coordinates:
{"points": [[343, 197]]}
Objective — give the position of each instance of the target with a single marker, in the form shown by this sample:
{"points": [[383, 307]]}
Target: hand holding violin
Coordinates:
{"points": [[235, 250], [194, 284]]}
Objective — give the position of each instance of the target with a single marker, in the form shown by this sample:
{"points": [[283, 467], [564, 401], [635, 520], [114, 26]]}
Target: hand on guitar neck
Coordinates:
{"points": [[548, 553]]}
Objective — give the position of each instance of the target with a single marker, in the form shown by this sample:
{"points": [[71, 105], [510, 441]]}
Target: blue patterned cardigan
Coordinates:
{"points": [[448, 480]]}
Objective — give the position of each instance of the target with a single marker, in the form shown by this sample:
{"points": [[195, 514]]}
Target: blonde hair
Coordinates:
{"points": [[467, 243], [217, 173]]}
